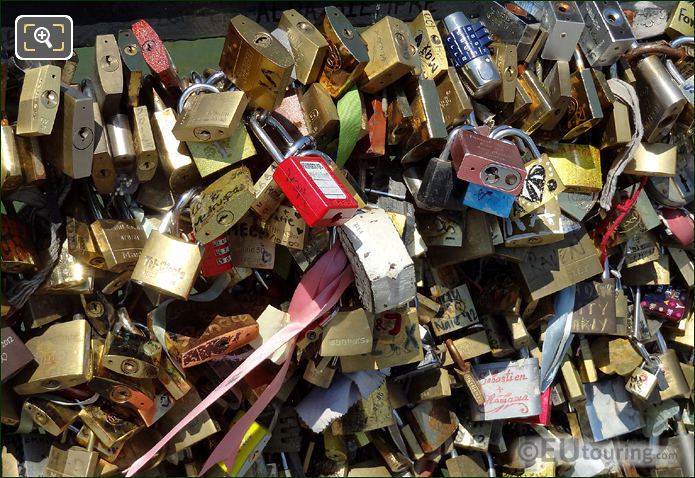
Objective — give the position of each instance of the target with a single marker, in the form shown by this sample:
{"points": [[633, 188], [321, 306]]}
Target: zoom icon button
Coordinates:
{"points": [[43, 37]]}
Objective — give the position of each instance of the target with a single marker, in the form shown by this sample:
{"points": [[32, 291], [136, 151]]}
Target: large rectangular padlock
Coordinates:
{"points": [[429, 45], [38, 101], [108, 74], [511, 23], [307, 45], [607, 33]]}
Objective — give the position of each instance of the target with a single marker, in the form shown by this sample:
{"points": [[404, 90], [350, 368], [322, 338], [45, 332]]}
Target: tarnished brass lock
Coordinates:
{"points": [[121, 141], [108, 74], [209, 117], [681, 21], [541, 106], [455, 103], [38, 101], [511, 23], [68, 276], [320, 113], [110, 427], [71, 145], [146, 154], [128, 351], [558, 84], [308, 46], [63, 357], [505, 57], [585, 110], [392, 54], [175, 161], [99, 312], [256, 62], [429, 45], [50, 416], [167, 264], [11, 176], [347, 54], [103, 168], [429, 130], [133, 66], [267, 193], [656, 159], [74, 461]]}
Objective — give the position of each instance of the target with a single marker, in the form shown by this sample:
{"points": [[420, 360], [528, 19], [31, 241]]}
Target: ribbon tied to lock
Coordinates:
{"points": [[317, 292]]}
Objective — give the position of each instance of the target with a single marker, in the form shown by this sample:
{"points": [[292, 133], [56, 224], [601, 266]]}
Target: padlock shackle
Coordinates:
{"points": [[636, 332], [171, 218], [670, 66], [515, 132], [263, 137], [277, 126], [215, 78], [446, 152], [192, 89], [92, 202]]}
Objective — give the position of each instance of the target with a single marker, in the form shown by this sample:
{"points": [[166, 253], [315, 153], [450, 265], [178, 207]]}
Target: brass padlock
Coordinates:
{"points": [[176, 163], [108, 74], [585, 111], [427, 121], [558, 84], [429, 45], [68, 276], [50, 416], [74, 461], [110, 427], [128, 351], [320, 113], [99, 312], [392, 54], [121, 141], [579, 167], [146, 154], [681, 21], [308, 46], [541, 106], [167, 264], [133, 66], [347, 54], [505, 57], [29, 152], [71, 145], [63, 357], [38, 101], [103, 169], [656, 159], [256, 62], [348, 333], [209, 117], [11, 177], [455, 103], [320, 371]]}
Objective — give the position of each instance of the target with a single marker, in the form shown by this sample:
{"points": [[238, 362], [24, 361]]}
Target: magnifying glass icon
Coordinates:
{"points": [[42, 35]]}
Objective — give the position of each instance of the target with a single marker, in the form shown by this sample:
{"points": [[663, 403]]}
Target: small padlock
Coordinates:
{"points": [[427, 121], [347, 54], [466, 46], [453, 99], [320, 371], [642, 382], [681, 20], [320, 113], [146, 154], [103, 168], [50, 416], [112, 427], [256, 62], [167, 264], [74, 461], [541, 108], [156, 56], [429, 45], [217, 258], [308, 182], [128, 351], [465, 373], [121, 140], [38, 101], [108, 74], [133, 67]]}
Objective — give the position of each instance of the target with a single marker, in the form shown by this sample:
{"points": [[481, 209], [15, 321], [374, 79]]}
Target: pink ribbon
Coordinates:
{"points": [[317, 292]]}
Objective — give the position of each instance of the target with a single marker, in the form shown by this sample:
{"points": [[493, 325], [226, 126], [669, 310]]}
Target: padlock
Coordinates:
{"points": [[465, 373], [686, 85], [558, 84], [642, 382], [541, 107], [606, 34], [661, 100], [38, 101], [347, 54], [63, 357], [146, 154], [307, 45], [320, 371], [579, 167], [128, 351], [68, 276], [156, 56], [320, 113], [429, 45], [564, 24], [256, 62], [11, 175], [348, 333], [594, 308], [511, 23], [217, 258], [369, 413], [108, 74], [647, 21], [427, 121], [584, 111], [656, 159], [103, 168], [453, 99], [50, 416], [209, 117], [466, 46], [121, 141], [176, 163], [505, 58], [546, 225], [133, 66], [73, 461], [679, 190], [482, 160], [166, 263], [106, 454], [29, 152], [681, 21], [392, 54], [308, 182], [71, 145], [99, 312], [110, 426]]}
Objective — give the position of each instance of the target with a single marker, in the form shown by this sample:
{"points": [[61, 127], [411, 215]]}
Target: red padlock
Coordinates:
{"points": [[307, 181], [156, 56], [217, 257], [679, 223]]}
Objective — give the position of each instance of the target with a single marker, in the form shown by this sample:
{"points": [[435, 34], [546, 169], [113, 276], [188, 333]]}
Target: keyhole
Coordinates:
{"points": [[148, 46], [348, 33], [130, 50], [49, 98]]}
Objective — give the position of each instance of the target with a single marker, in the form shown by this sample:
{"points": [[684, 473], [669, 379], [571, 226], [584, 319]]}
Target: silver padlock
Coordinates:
{"points": [[607, 34], [564, 24]]}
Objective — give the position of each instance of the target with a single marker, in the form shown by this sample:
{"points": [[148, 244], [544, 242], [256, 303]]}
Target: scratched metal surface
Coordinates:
{"points": [[194, 20]]}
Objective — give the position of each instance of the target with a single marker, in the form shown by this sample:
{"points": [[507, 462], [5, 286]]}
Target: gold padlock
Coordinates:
{"points": [[50, 416], [74, 461], [579, 167], [505, 57], [128, 351], [585, 111], [166, 264], [11, 176], [146, 155], [392, 54], [347, 54], [256, 62], [429, 45], [681, 21], [109, 426], [429, 130], [209, 117], [68, 276], [103, 168], [63, 357], [541, 106], [133, 66], [321, 114], [108, 74], [38, 101], [29, 152], [653, 159], [454, 101], [309, 47]]}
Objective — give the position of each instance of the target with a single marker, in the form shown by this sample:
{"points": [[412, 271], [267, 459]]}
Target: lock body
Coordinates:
{"points": [[120, 242], [121, 141], [429, 45], [156, 56], [256, 62], [320, 113], [505, 57], [51, 417], [454, 101], [655, 159], [18, 253], [108, 74], [426, 121], [681, 21], [347, 54], [71, 145], [29, 152], [210, 117], [146, 155], [606, 34], [217, 258], [130, 354], [488, 162], [103, 168], [11, 176], [510, 23], [541, 106], [564, 24], [133, 66], [308, 46], [315, 191], [38, 101], [558, 85]]}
